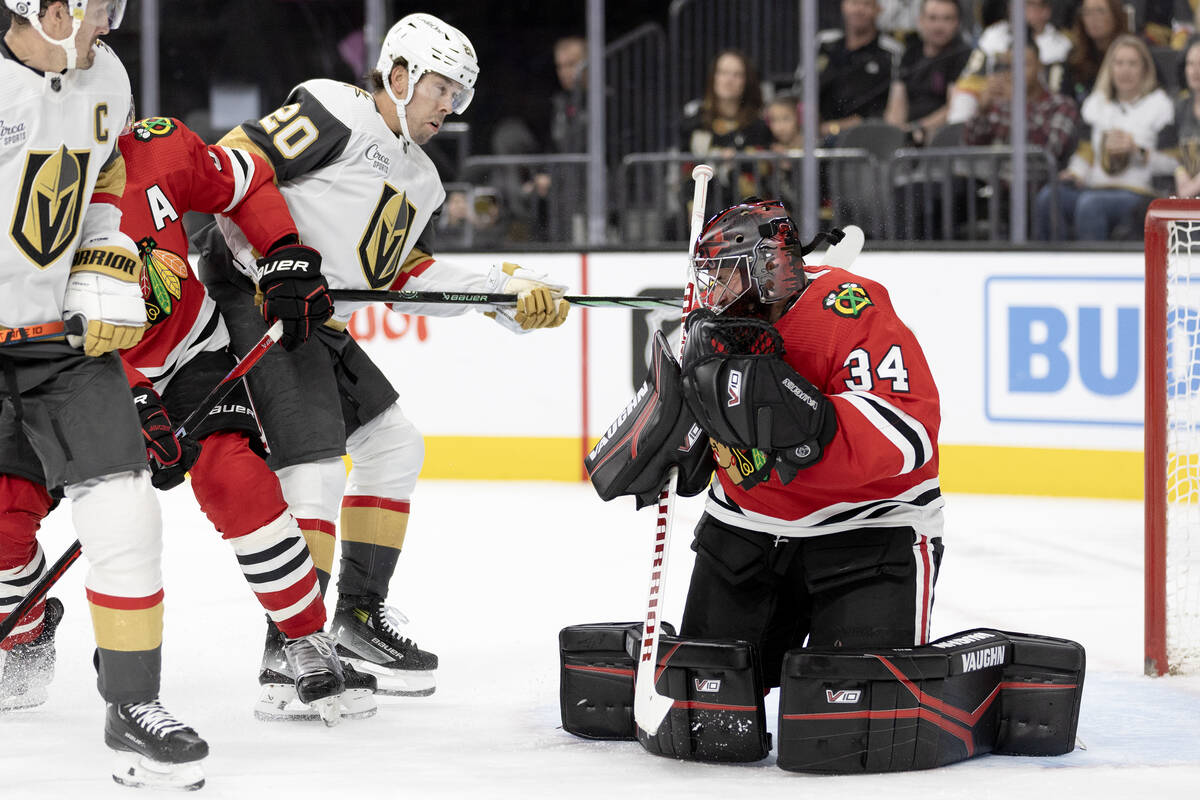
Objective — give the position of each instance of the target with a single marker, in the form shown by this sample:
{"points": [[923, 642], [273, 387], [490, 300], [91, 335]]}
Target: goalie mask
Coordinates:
{"points": [[427, 44], [100, 13], [750, 246]]}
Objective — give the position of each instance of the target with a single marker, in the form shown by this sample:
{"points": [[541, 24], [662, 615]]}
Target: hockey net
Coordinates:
{"points": [[1172, 431]]}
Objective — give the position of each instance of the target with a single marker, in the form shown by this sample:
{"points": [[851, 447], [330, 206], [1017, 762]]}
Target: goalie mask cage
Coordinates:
{"points": [[1172, 431]]}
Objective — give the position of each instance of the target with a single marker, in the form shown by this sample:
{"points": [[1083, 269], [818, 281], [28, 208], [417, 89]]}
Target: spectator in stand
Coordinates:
{"points": [[1186, 141], [1052, 120], [931, 62], [568, 121], [1108, 180], [1097, 24], [856, 66], [1054, 48], [787, 136], [1169, 23], [728, 119]]}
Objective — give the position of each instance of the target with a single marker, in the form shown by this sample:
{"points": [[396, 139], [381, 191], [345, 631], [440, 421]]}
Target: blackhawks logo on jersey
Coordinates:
{"points": [[746, 468], [161, 279], [49, 203], [146, 129], [382, 243], [849, 300]]}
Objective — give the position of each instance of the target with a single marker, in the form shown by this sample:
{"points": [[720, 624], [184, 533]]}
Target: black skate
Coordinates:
{"points": [[153, 748], [368, 633], [278, 698], [28, 668]]}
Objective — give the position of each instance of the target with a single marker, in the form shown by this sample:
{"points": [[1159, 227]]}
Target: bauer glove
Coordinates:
{"points": [[295, 291], [169, 457], [539, 304], [105, 291]]}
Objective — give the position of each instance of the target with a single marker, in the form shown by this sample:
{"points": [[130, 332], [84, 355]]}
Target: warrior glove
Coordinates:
{"points": [[746, 396], [294, 290], [169, 457], [539, 304], [105, 291]]}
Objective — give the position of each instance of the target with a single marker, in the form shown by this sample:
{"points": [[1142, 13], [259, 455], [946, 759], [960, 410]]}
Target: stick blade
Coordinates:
{"points": [[650, 709], [842, 254]]}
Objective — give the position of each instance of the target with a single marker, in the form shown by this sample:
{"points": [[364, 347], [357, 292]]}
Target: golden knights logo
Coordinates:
{"points": [[381, 245], [49, 203], [850, 300]]}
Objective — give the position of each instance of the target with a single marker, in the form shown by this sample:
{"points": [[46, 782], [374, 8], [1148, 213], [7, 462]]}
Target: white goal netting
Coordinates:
{"points": [[1182, 569]]}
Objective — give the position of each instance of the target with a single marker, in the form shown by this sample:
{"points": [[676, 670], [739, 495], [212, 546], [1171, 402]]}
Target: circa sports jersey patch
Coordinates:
{"points": [[848, 300], [12, 133], [382, 242], [161, 279], [147, 129], [49, 203]]}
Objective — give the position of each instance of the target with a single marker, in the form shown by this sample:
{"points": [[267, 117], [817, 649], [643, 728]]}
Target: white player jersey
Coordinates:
{"points": [[357, 192], [61, 176]]}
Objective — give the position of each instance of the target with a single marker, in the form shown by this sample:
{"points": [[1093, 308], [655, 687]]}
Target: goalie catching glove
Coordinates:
{"points": [[539, 303], [105, 290], [655, 432], [169, 457], [746, 396], [294, 290]]}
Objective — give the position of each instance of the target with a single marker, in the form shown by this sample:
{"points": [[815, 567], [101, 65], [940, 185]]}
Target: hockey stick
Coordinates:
{"points": [[218, 393], [497, 299], [40, 333], [842, 254], [649, 706]]}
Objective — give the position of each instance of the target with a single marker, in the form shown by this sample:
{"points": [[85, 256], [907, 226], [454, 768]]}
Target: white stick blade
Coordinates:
{"points": [[649, 707], [842, 254]]}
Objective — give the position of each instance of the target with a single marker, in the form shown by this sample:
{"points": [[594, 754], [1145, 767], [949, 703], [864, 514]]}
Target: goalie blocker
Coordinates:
{"points": [[718, 713], [975, 692], [655, 432]]}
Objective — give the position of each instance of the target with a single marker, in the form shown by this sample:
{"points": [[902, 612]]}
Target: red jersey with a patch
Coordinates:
{"points": [[169, 171], [881, 469]]}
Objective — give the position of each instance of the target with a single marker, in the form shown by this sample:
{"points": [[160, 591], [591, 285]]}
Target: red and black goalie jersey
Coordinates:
{"points": [[881, 469]]}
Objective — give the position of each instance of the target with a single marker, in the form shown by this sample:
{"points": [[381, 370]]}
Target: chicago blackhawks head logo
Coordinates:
{"points": [[849, 300], [148, 128], [383, 241], [161, 279], [49, 202]]}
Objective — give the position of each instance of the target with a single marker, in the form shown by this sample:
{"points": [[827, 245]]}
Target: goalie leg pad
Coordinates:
{"points": [[856, 711], [1039, 696], [718, 714], [596, 681]]}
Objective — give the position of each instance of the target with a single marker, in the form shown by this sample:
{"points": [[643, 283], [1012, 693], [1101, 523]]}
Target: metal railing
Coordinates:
{"points": [[938, 192]]}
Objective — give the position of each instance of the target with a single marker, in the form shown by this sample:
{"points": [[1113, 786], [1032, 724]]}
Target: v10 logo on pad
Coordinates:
{"points": [[843, 696], [734, 388], [708, 685]]}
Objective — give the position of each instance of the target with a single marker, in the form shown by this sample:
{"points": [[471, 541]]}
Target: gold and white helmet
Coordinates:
{"points": [[97, 12]]}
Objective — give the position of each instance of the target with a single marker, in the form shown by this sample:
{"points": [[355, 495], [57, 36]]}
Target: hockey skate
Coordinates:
{"points": [[28, 668], [153, 749], [368, 636], [278, 698]]}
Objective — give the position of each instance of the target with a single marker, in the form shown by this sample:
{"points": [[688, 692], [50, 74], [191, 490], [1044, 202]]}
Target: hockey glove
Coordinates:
{"points": [[105, 290], [539, 304], [169, 457], [295, 291], [746, 396], [654, 432]]}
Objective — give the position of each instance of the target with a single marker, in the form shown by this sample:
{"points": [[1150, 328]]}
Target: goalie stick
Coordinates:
{"points": [[842, 254], [497, 299], [650, 707], [218, 393]]}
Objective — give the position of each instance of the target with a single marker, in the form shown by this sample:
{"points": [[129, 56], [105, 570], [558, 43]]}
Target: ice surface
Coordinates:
{"points": [[492, 571]]}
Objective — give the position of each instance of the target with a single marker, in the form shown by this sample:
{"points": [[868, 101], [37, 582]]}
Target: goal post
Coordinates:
{"points": [[1172, 438]]}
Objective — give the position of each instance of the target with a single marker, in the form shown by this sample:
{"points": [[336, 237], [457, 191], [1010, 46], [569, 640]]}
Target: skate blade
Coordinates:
{"points": [[397, 682], [30, 699], [278, 703], [329, 709], [133, 769]]}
